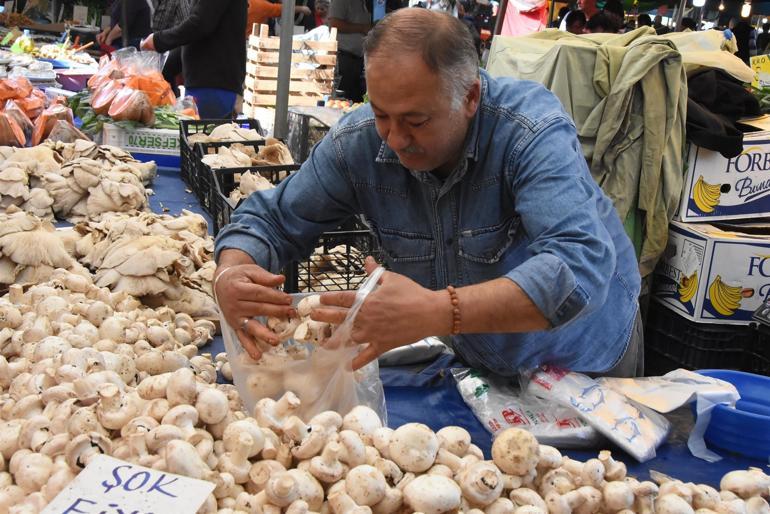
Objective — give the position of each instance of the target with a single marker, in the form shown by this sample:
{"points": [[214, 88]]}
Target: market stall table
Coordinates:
{"points": [[427, 393]]}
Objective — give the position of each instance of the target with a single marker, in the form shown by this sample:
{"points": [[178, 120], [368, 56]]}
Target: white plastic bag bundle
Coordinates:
{"points": [[674, 389], [499, 405], [319, 375], [635, 428]]}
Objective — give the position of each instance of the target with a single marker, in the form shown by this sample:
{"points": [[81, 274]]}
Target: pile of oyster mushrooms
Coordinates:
{"points": [[163, 260], [73, 181]]}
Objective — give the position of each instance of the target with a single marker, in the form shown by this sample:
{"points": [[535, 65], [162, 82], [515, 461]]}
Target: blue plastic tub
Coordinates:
{"points": [[744, 429]]}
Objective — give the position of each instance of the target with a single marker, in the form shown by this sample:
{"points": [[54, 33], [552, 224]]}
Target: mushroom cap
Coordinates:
{"points": [[182, 458], [363, 420], [413, 447], [454, 439], [234, 429], [672, 504], [618, 496], [432, 494], [212, 405], [181, 416], [515, 451], [365, 485], [81, 447], [481, 483]]}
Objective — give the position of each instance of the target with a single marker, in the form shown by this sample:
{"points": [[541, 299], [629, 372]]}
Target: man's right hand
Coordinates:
{"points": [[245, 291], [304, 9]]}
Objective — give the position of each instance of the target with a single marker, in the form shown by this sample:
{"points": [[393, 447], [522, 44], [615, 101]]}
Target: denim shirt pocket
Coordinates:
{"points": [[483, 249], [409, 253]]}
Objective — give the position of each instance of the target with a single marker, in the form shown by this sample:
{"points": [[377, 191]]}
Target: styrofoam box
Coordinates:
{"points": [[712, 275], [142, 140], [717, 188]]}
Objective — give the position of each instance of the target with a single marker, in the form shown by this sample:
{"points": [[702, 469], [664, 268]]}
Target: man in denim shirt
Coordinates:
{"points": [[466, 181]]}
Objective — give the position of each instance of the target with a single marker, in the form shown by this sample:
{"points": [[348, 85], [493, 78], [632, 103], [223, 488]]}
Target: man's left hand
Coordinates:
{"points": [[398, 313], [148, 43]]}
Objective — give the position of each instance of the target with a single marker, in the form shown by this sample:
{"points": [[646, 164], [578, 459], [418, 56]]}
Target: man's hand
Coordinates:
{"points": [[398, 313], [303, 9], [245, 291], [101, 37], [148, 43]]}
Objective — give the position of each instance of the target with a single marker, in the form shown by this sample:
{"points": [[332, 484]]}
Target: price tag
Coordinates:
{"points": [[80, 14], [8, 7], [111, 486], [106, 21]]}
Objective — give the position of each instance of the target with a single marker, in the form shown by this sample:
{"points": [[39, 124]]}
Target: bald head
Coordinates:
{"points": [[442, 41]]}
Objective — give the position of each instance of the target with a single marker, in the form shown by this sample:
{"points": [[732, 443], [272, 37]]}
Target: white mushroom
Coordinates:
{"points": [[515, 451], [432, 494], [413, 447]]}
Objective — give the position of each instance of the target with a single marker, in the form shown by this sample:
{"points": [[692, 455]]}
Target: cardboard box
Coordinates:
{"points": [[716, 188], [712, 275]]}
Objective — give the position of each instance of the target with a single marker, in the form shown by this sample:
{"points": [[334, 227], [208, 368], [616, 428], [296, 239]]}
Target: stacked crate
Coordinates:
{"points": [[312, 70]]}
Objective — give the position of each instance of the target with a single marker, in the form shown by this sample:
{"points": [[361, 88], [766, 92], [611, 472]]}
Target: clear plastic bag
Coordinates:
{"points": [[186, 106], [636, 429], [319, 375], [498, 405]]}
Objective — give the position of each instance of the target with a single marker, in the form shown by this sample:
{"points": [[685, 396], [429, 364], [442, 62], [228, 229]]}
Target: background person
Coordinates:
{"points": [[352, 19], [213, 54], [137, 24]]}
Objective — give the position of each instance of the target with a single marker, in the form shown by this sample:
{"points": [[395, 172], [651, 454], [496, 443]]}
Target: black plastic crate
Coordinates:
{"points": [[223, 182], [337, 263], [672, 341], [758, 354], [306, 129], [203, 184], [189, 127]]}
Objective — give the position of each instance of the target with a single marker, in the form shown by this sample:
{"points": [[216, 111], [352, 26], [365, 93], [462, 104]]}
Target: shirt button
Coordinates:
{"points": [[449, 241]]}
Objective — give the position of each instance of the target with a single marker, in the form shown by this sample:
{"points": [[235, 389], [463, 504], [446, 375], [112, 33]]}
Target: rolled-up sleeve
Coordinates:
{"points": [[573, 256], [283, 224]]}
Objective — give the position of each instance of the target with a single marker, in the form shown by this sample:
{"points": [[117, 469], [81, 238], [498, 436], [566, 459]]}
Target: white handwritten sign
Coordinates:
{"points": [[80, 14], [106, 21], [111, 486]]}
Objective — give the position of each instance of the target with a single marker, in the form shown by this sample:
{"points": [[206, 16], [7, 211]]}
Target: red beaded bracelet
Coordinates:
{"points": [[455, 310]]}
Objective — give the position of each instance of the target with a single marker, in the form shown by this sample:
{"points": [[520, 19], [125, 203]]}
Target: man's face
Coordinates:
{"points": [[414, 115], [321, 9]]}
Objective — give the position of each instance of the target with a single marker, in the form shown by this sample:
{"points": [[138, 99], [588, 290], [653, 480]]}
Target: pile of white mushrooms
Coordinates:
{"points": [[87, 371]]}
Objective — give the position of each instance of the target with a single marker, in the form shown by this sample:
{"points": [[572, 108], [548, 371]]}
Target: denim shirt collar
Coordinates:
{"points": [[386, 155]]}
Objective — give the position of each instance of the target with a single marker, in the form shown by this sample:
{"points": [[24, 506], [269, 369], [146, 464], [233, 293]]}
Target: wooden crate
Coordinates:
{"points": [[312, 70]]}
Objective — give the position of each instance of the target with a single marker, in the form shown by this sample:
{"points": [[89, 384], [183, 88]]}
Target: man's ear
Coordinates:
{"points": [[472, 99]]}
